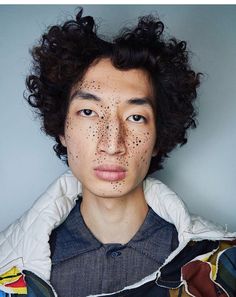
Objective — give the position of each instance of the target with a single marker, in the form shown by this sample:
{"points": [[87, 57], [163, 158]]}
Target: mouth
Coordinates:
{"points": [[110, 172]]}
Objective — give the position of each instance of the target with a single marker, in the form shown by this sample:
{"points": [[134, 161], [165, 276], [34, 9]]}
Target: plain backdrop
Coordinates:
{"points": [[203, 172]]}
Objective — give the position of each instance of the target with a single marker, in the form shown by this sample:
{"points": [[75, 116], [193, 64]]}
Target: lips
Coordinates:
{"points": [[113, 168], [110, 172]]}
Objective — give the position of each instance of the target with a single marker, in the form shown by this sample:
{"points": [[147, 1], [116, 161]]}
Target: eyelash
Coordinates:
{"points": [[83, 110], [144, 119]]}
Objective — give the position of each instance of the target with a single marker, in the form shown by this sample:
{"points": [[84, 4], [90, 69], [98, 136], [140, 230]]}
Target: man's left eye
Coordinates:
{"points": [[137, 118]]}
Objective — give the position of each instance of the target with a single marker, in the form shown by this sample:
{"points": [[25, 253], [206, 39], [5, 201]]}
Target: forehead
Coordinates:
{"points": [[102, 78]]}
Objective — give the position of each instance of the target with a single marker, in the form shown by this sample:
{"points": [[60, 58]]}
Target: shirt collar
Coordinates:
{"points": [[73, 237], [156, 238]]}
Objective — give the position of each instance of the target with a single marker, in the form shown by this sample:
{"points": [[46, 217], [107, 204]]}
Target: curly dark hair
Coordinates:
{"points": [[65, 52]]}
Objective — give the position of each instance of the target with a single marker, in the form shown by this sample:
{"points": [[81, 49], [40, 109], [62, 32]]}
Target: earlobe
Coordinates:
{"points": [[155, 152], [62, 139]]}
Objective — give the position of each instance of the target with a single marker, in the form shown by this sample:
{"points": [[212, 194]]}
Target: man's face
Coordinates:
{"points": [[110, 121]]}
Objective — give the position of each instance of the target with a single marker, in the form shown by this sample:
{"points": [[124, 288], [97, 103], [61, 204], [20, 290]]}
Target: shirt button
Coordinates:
{"points": [[115, 254]]}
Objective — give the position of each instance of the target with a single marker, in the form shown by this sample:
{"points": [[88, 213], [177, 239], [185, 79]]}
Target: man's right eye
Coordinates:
{"points": [[86, 112]]}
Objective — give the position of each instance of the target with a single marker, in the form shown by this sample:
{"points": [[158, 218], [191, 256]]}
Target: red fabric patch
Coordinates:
{"points": [[20, 283], [197, 276]]}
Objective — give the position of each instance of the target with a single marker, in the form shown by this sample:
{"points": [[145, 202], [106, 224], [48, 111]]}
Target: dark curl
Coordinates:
{"points": [[66, 51]]}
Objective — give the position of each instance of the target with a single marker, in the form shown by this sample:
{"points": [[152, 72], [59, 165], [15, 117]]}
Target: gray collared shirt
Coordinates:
{"points": [[82, 265]]}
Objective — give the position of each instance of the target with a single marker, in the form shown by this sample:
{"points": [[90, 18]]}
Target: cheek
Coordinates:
{"points": [[80, 138], [140, 147], [140, 141]]}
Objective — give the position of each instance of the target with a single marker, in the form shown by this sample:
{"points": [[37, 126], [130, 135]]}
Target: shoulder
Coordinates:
{"points": [[25, 242]]}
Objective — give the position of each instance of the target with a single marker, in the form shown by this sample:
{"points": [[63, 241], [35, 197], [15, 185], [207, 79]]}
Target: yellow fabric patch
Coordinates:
{"points": [[20, 290], [10, 276], [223, 246], [13, 281], [213, 271]]}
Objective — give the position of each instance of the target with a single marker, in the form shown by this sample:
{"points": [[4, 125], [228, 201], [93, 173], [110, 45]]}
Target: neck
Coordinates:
{"points": [[117, 219]]}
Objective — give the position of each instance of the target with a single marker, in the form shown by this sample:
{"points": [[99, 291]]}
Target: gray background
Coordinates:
{"points": [[202, 172]]}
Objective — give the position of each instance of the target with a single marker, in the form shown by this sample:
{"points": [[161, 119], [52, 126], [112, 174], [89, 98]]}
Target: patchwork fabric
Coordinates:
{"points": [[170, 274], [202, 269], [13, 282], [36, 286], [226, 275], [212, 275], [197, 274]]}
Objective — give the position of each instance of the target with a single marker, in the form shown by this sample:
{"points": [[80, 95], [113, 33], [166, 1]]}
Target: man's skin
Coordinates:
{"points": [[108, 132]]}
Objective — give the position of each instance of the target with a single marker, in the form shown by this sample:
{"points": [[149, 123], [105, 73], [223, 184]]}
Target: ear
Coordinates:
{"points": [[154, 152], [62, 139]]}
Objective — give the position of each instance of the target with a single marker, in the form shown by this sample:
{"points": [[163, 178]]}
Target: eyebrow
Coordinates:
{"points": [[132, 101]]}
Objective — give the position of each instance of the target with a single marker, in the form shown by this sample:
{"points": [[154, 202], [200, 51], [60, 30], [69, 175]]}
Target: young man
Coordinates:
{"points": [[105, 228]]}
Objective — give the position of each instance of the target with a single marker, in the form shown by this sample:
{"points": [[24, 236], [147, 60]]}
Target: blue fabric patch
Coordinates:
{"points": [[3, 294], [226, 275]]}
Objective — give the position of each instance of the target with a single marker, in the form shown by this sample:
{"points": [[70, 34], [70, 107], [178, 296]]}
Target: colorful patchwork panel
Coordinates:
{"points": [[213, 275], [197, 275], [13, 282]]}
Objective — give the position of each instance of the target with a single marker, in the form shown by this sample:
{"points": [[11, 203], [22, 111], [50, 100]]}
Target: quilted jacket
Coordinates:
{"points": [[203, 265]]}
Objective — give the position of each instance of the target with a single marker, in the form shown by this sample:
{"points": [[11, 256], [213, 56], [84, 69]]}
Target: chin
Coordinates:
{"points": [[113, 190]]}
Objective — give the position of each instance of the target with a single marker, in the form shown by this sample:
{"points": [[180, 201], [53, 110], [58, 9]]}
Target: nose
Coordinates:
{"points": [[112, 138]]}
